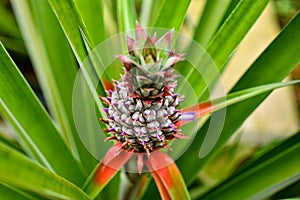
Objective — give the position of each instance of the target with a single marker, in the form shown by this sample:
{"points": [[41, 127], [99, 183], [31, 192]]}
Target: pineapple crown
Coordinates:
{"points": [[148, 67], [143, 108]]}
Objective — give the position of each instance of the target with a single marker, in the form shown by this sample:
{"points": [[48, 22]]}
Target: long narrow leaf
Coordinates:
{"points": [[11, 142], [8, 24], [10, 34], [223, 44], [69, 18], [259, 73], [63, 66], [230, 9], [126, 15], [210, 20], [23, 110], [92, 13], [275, 169], [246, 11], [216, 104], [95, 63], [145, 14], [8, 193], [17, 170], [290, 191], [166, 17], [55, 69], [152, 8], [70, 21]]}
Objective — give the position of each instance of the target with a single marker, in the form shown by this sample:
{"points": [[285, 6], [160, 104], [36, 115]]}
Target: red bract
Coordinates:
{"points": [[163, 169]]}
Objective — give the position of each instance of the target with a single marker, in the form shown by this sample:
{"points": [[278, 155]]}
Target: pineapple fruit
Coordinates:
{"points": [[143, 107]]}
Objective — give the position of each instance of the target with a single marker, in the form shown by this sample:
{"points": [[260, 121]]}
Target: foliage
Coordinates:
{"points": [[48, 158]]}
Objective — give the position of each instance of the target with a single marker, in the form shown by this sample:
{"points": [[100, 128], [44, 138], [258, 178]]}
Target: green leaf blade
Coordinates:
{"points": [[126, 15], [274, 170], [166, 17], [23, 110], [19, 171], [92, 14], [8, 193], [8, 25], [63, 66], [210, 19], [214, 105], [70, 21], [282, 64], [223, 44], [246, 11], [55, 67]]}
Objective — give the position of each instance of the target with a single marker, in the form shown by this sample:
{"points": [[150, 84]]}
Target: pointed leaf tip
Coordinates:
{"points": [[139, 32], [165, 42], [154, 38], [127, 62], [137, 23], [149, 48], [130, 44], [149, 43], [173, 60]]}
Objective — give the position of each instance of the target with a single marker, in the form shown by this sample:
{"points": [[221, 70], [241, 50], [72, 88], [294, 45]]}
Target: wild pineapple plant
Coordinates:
{"points": [[49, 161]]}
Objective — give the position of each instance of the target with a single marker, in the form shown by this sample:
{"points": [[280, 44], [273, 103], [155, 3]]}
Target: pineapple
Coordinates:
{"points": [[142, 109]]}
